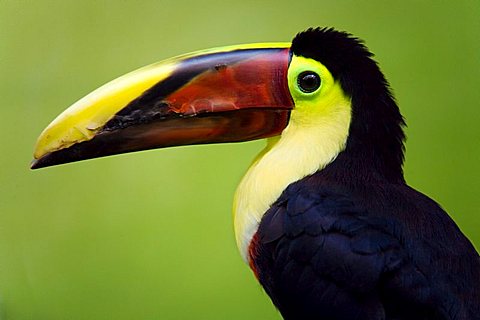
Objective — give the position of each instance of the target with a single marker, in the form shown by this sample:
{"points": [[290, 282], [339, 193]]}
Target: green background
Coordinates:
{"points": [[149, 235]]}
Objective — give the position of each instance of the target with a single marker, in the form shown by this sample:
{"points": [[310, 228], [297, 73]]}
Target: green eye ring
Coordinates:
{"points": [[308, 81]]}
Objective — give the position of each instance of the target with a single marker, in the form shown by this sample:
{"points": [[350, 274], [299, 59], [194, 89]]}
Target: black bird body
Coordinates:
{"points": [[378, 250]]}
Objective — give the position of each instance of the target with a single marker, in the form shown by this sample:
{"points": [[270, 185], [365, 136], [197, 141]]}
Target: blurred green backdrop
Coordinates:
{"points": [[149, 235]]}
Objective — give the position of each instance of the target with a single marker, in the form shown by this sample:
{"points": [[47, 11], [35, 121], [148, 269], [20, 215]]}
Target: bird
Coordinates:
{"points": [[323, 216]]}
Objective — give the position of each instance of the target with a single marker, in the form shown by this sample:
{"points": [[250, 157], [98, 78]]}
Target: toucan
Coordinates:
{"points": [[323, 216]]}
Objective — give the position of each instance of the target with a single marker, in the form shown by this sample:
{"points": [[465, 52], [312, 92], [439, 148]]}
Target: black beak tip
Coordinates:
{"points": [[77, 152], [40, 163], [34, 164], [50, 159]]}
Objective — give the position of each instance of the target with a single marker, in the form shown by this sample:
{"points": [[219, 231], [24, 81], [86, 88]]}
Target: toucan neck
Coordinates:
{"points": [[375, 146], [357, 169]]}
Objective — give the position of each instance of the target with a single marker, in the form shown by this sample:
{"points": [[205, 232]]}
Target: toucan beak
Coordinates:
{"points": [[226, 94]]}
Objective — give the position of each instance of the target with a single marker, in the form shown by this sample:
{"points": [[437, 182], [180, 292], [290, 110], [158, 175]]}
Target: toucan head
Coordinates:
{"points": [[324, 78]]}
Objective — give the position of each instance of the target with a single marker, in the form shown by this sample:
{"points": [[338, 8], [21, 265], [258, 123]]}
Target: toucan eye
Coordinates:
{"points": [[308, 81]]}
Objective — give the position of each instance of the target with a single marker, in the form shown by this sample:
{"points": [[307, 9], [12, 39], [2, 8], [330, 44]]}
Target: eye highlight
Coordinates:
{"points": [[308, 81]]}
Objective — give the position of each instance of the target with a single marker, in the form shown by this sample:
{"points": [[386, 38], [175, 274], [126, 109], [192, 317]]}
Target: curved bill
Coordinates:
{"points": [[227, 94]]}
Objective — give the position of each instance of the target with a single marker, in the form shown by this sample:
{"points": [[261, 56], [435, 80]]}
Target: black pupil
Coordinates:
{"points": [[308, 81]]}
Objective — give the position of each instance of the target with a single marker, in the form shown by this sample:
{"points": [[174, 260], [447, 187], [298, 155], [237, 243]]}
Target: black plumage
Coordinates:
{"points": [[353, 241]]}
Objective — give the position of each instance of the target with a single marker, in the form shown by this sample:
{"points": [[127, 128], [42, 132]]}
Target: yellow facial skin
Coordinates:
{"points": [[317, 132], [84, 119]]}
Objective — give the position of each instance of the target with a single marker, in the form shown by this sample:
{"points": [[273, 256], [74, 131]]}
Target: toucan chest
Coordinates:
{"points": [[323, 250]]}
